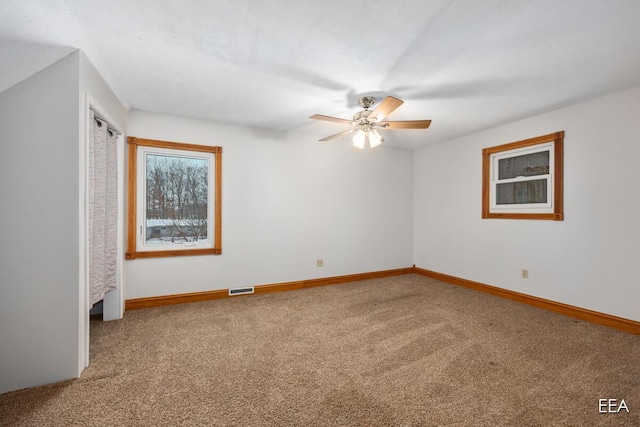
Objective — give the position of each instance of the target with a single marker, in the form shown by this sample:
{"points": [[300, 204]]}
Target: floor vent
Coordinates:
{"points": [[241, 291]]}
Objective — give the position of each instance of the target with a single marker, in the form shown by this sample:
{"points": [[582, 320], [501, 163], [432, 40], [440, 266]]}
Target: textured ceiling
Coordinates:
{"points": [[466, 65]]}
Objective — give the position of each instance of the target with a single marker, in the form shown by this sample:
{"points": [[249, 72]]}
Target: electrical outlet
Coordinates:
{"points": [[525, 273], [320, 263]]}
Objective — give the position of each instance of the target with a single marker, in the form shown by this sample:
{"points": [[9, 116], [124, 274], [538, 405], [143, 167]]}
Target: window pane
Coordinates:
{"points": [[525, 165], [516, 193], [176, 199]]}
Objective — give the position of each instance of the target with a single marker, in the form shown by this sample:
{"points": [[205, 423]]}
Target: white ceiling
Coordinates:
{"points": [[467, 65]]}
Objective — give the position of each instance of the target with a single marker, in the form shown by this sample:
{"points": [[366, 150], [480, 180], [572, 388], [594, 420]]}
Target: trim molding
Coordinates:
{"points": [[558, 141], [620, 323], [132, 199], [137, 303], [149, 302]]}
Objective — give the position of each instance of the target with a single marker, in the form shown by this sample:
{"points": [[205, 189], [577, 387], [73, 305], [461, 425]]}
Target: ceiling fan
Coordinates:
{"points": [[367, 123]]}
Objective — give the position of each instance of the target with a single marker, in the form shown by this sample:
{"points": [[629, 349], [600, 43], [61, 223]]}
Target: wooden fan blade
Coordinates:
{"points": [[336, 135], [408, 124], [386, 107], [330, 119]]}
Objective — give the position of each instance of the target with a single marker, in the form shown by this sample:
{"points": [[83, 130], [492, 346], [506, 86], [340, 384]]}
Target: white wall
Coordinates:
{"points": [[39, 257], [588, 260], [91, 82], [42, 312], [287, 201]]}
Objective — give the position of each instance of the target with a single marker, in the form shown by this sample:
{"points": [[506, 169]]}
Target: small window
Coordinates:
{"points": [[523, 179], [174, 199]]}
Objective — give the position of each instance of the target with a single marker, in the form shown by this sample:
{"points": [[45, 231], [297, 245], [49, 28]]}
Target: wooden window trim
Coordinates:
{"points": [[132, 189], [558, 139]]}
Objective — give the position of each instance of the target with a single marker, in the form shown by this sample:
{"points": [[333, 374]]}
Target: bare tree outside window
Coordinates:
{"points": [[177, 199]]}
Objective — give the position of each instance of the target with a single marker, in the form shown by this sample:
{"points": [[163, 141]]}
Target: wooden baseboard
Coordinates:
{"points": [[568, 310], [149, 302], [134, 304], [620, 323]]}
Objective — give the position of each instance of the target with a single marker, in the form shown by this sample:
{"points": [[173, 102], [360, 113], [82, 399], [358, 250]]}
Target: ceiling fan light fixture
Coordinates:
{"points": [[375, 138], [359, 139]]}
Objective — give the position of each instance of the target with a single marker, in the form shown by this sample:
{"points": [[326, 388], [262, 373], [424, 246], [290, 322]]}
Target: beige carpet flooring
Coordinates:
{"points": [[402, 351]]}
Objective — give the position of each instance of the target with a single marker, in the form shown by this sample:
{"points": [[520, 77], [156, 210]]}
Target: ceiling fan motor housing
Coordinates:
{"points": [[361, 117]]}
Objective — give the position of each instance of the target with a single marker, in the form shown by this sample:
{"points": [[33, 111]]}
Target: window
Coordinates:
{"points": [[174, 199], [523, 179]]}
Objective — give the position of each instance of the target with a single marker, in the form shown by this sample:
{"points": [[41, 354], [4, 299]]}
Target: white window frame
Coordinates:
{"points": [[137, 245], [546, 207], [141, 244]]}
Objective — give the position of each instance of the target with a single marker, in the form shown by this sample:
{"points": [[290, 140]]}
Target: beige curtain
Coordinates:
{"points": [[103, 209]]}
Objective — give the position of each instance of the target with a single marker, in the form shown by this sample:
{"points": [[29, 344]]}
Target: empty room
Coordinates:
{"points": [[366, 213]]}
